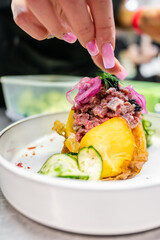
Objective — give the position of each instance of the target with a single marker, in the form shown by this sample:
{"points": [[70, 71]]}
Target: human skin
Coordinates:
{"points": [[91, 22], [149, 22]]}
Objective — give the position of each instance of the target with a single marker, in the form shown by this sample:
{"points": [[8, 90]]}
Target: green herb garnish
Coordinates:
{"points": [[148, 131], [109, 80]]}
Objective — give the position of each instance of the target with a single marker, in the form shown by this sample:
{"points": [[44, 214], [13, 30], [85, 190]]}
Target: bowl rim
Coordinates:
{"points": [[71, 183]]}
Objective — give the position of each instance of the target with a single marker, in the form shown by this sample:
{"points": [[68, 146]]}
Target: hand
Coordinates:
{"points": [[90, 21], [150, 23]]}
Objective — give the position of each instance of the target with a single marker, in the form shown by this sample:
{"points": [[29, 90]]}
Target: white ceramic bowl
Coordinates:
{"points": [[113, 207]]}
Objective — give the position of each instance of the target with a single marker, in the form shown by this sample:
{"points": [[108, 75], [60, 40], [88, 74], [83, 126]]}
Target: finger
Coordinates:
{"points": [[117, 70], [46, 13], [24, 18], [78, 16], [102, 13]]}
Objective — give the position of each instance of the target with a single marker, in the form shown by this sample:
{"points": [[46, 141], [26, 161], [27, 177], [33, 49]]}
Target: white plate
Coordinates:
{"points": [[115, 207]]}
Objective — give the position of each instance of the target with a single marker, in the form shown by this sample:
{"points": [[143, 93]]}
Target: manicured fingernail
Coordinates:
{"points": [[108, 56], [16, 10], [69, 37], [92, 48], [122, 75]]}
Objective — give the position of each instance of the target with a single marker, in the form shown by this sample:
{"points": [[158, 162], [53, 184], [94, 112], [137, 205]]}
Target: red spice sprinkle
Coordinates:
{"points": [[33, 153], [30, 148], [28, 168], [26, 154], [19, 165], [51, 139]]}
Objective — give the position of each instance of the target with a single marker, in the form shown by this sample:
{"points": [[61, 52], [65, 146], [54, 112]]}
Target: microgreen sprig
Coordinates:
{"points": [[109, 80]]}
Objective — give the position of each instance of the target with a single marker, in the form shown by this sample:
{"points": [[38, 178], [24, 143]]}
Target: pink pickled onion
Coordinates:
{"points": [[88, 87], [140, 99], [68, 95]]}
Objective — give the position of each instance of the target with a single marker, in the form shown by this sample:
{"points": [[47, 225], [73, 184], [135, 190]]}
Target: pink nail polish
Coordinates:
{"points": [[69, 37], [108, 56], [92, 48], [16, 9], [122, 75]]}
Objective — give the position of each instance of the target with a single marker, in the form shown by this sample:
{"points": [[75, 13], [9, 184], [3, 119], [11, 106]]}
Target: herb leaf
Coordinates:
{"points": [[109, 80]]}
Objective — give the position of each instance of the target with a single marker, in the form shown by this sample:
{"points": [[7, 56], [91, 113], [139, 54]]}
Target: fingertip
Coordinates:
{"points": [[17, 10], [34, 29], [108, 56], [122, 74], [118, 70], [92, 48], [69, 37]]}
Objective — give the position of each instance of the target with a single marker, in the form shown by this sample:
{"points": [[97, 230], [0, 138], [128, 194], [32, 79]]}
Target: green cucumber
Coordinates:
{"points": [[62, 165], [72, 155], [90, 162]]}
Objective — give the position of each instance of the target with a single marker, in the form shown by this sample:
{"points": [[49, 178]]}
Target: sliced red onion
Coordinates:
{"points": [[140, 99], [78, 85], [68, 96], [88, 87]]}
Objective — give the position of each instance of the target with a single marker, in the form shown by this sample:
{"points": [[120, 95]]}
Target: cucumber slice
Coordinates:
{"points": [[72, 155], [90, 162], [61, 165]]}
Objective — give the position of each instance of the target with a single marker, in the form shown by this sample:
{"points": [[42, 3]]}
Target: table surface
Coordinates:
{"points": [[15, 226]]}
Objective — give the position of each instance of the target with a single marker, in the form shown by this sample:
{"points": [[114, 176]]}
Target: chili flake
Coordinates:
{"points": [[19, 165], [33, 153], [30, 148]]}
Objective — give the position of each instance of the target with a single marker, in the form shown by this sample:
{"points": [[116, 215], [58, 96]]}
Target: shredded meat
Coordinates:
{"points": [[114, 103], [103, 106]]}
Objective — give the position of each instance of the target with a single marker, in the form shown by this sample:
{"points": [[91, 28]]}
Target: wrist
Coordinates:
{"points": [[136, 21]]}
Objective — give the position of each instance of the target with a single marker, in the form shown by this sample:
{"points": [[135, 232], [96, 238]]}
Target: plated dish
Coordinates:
{"points": [[106, 134], [86, 207], [97, 143]]}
